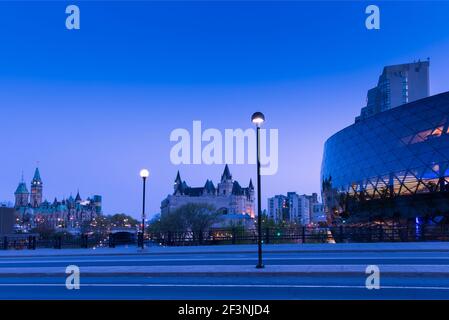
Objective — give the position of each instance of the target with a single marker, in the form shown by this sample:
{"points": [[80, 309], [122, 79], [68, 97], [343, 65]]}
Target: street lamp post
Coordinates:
{"points": [[144, 173], [258, 118]]}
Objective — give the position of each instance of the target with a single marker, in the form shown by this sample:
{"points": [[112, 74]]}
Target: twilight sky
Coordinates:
{"points": [[95, 105]]}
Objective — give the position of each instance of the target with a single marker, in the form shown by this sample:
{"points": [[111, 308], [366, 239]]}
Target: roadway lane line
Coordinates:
{"points": [[162, 285]]}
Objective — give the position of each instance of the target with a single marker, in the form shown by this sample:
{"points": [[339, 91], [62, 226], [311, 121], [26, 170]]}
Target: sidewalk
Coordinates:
{"points": [[271, 248], [226, 270]]}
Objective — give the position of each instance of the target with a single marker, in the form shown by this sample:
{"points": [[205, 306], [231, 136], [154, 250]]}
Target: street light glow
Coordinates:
{"points": [[258, 118], [144, 173]]}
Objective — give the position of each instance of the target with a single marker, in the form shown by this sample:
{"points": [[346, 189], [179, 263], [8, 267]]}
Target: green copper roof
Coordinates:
{"points": [[37, 175], [21, 188]]}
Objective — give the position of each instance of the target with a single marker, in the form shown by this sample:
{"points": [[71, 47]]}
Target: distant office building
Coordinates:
{"points": [[278, 208], [7, 204], [313, 199], [299, 208], [397, 85], [229, 197], [69, 213], [318, 214], [292, 207]]}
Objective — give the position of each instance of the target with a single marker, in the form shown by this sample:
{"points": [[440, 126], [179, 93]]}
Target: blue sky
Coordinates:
{"points": [[95, 105]]}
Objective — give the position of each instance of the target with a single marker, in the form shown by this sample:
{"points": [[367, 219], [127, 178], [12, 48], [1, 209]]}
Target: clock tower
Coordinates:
{"points": [[36, 190]]}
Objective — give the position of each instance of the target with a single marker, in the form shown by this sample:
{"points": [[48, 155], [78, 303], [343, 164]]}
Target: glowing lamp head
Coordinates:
{"points": [[144, 173], [258, 118]]}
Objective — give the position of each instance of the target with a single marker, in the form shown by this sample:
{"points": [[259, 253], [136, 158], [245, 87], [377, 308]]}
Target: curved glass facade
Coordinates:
{"points": [[402, 151]]}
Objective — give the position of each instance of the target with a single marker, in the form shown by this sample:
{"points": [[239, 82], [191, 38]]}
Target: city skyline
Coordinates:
{"points": [[95, 106], [23, 185]]}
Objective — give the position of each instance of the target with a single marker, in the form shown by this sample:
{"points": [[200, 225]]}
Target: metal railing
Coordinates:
{"points": [[300, 235], [337, 234], [33, 241]]}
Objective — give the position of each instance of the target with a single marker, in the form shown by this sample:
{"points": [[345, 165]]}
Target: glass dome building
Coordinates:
{"points": [[392, 164]]}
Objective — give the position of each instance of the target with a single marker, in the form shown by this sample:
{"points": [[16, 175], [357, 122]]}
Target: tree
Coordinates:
{"points": [[171, 221], [122, 220], [189, 217], [44, 230], [99, 224], [199, 217], [189, 221]]}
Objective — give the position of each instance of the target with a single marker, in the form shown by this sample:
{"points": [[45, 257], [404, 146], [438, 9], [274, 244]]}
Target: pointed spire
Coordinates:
{"points": [[226, 174], [178, 178], [178, 186], [251, 186], [78, 197], [37, 176]]}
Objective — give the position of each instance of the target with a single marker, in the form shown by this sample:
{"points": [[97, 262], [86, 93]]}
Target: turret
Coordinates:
{"points": [[21, 195], [226, 184], [209, 188], [251, 189], [178, 186], [78, 197], [226, 176]]}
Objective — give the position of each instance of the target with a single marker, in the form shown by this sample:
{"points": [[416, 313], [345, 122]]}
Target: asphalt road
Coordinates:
{"points": [[235, 287], [304, 258]]}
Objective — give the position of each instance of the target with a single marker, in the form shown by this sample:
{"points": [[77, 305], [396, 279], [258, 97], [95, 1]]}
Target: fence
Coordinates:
{"points": [[33, 241], [338, 234], [300, 235]]}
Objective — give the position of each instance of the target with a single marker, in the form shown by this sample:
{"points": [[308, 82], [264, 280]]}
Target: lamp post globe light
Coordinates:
{"points": [[144, 173], [258, 118]]}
